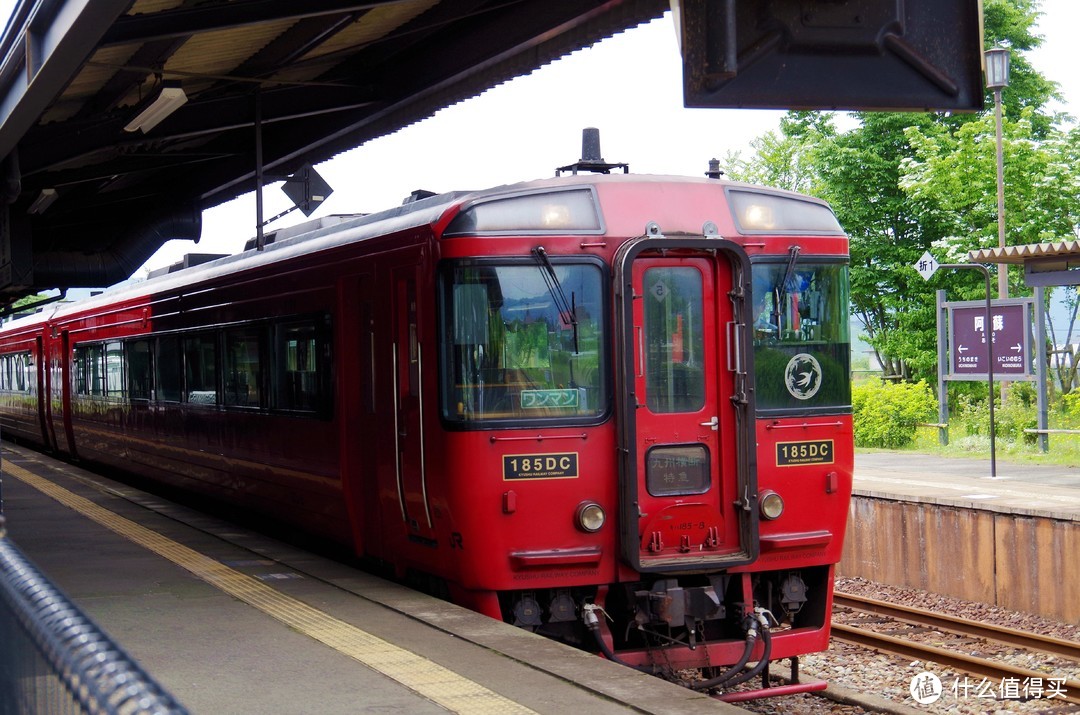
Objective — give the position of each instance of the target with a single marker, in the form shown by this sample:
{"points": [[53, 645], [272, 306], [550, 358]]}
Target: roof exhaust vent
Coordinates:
{"points": [[714, 172], [590, 156], [590, 145]]}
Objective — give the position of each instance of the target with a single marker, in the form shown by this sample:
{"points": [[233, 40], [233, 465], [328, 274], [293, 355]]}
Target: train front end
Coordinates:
{"points": [[650, 385]]}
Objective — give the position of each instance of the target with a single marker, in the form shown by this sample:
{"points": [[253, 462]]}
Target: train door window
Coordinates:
{"points": [[301, 365], [367, 386], [674, 339], [139, 369], [95, 370], [243, 367], [114, 370], [200, 369], [169, 372], [408, 340]]}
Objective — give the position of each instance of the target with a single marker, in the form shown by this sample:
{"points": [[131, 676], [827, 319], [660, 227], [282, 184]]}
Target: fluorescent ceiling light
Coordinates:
{"points": [[43, 201], [170, 99]]}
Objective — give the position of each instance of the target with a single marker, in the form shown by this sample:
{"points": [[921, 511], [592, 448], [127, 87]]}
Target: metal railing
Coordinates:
{"points": [[54, 659]]}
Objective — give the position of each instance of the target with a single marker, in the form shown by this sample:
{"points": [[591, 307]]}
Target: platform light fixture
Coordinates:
{"points": [[170, 99], [43, 201]]}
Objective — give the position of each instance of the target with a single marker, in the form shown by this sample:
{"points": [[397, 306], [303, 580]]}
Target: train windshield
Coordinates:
{"points": [[802, 352], [523, 341]]}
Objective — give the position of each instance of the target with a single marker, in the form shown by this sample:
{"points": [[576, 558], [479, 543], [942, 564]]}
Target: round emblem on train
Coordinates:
{"points": [[802, 376]]}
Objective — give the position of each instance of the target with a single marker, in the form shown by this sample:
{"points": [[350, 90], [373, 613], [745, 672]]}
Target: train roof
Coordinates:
{"points": [[329, 232]]}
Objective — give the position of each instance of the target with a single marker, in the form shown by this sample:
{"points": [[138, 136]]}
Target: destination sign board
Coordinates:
{"points": [[1009, 330]]}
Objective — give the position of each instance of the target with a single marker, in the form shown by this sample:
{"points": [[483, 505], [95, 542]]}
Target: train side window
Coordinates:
{"points": [[17, 372], [79, 371], [29, 375], [301, 366], [243, 367], [200, 369], [168, 364], [6, 366], [140, 369], [95, 370], [114, 370]]}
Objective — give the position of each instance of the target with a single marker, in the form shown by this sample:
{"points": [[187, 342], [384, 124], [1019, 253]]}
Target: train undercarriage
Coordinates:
{"points": [[702, 631]]}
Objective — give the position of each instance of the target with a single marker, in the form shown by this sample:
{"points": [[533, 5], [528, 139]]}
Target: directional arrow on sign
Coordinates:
{"points": [[1018, 347], [962, 349]]}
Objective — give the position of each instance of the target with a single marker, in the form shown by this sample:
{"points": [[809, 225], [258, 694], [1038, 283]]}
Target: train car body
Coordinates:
{"points": [[615, 409]]}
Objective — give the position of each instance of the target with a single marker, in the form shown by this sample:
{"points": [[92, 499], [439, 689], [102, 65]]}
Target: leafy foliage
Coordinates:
{"points": [[886, 414], [905, 183]]}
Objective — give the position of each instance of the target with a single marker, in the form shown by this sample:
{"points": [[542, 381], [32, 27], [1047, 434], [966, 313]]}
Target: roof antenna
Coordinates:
{"points": [[590, 156]]}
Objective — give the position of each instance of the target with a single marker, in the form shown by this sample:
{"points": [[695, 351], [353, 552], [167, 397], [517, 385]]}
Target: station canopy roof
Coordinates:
{"points": [[1018, 255], [92, 192]]}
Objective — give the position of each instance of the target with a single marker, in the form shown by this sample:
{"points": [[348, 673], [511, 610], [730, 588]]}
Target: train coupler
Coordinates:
{"points": [[666, 602]]}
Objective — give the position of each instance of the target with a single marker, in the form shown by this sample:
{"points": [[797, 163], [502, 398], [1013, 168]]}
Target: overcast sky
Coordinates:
{"points": [[628, 86]]}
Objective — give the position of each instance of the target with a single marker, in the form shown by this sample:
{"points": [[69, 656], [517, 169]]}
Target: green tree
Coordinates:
{"points": [[786, 160], [904, 183]]}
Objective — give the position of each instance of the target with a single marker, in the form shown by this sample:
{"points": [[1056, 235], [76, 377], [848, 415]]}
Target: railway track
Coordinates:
{"points": [[962, 662]]}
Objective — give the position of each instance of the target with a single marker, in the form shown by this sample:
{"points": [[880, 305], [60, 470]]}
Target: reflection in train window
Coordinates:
{"points": [[200, 369], [169, 382], [139, 369], [302, 365], [524, 341], [242, 367]]}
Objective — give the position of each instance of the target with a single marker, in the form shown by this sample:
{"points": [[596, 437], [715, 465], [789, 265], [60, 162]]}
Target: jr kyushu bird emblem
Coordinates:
{"points": [[803, 376]]}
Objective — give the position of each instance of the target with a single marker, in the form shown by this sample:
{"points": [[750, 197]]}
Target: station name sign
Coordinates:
{"points": [[1009, 331]]}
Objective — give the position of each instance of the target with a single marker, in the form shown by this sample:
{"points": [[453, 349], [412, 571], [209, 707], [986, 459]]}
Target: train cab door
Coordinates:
{"points": [[41, 387], [688, 478], [409, 356], [59, 388]]}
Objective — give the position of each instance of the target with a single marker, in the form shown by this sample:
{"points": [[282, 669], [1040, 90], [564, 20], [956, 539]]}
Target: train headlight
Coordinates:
{"points": [[772, 505], [758, 217], [590, 516]]}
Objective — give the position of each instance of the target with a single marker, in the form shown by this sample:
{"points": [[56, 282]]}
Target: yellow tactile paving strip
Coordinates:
{"points": [[422, 676]]}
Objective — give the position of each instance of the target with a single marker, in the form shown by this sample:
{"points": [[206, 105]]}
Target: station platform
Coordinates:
{"points": [[230, 621], [1037, 490], [946, 526]]}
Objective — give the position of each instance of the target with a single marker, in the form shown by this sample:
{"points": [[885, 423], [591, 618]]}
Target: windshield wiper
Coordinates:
{"points": [[567, 308], [793, 257]]}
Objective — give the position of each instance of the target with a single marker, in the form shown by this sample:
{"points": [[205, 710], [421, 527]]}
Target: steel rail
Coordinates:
{"points": [[940, 621], [948, 658], [964, 663]]}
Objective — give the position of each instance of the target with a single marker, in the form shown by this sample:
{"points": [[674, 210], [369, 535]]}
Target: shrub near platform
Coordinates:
{"points": [[887, 414]]}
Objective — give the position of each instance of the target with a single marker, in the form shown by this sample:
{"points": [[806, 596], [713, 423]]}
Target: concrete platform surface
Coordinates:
{"points": [[1051, 491], [235, 622]]}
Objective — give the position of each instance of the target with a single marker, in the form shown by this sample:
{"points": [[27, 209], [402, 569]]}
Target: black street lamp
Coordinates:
{"points": [[997, 78]]}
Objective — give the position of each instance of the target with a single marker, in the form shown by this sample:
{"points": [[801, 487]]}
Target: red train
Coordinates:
{"points": [[609, 408]]}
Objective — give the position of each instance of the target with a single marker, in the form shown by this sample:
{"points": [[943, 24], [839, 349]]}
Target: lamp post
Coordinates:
{"points": [[997, 78]]}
